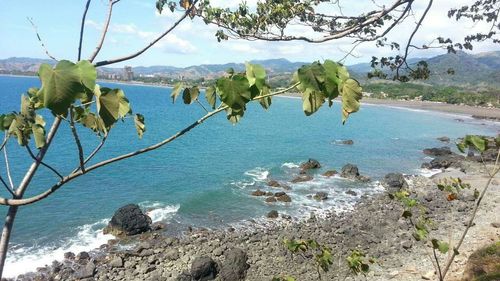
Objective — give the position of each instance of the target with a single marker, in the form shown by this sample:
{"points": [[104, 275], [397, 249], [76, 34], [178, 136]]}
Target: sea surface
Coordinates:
{"points": [[204, 179]]}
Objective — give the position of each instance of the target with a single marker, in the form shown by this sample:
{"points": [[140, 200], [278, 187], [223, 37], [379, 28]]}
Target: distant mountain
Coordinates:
{"points": [[470, 70]]}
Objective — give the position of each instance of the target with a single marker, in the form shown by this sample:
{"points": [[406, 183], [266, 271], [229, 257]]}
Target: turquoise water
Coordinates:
{"points": [[204, 178]]}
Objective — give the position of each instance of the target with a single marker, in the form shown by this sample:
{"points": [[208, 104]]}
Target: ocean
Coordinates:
{"points": [[204, 179]]}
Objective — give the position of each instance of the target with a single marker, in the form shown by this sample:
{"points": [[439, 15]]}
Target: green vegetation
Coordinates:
{"points": [[447, 94]]}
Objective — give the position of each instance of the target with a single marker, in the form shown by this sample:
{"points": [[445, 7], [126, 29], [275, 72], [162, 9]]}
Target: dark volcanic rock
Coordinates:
{"points": [[302, 178], [444, 139], [330, 173], [310, 164], [128, 220], [271, 199], [437, 151], [351, 192], [320, 196], [350, 171], [273, 183], [235, 265], [284, 198], [443, 162], [258, 192], [394, 182], [272, 214], [203, 268]]}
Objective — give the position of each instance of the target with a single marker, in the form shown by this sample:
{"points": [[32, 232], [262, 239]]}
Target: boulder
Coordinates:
{"points": [[235, 265], [258, 192], [437, 151], [394, 182], [87, 271], [116, 262], [302, 178], [444, 162], [278, 194], [363, 178], [351, 192], [345, 142], [310, 164], [284, 198], [330, 173], [273, 183], [444, 139], [320, 196], [350, 171], [271, 199], [204, 268], [128, 220], [273, 214]]}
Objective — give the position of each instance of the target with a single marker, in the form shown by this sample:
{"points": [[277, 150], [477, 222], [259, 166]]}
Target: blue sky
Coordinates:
{"points": [[135, 23]]}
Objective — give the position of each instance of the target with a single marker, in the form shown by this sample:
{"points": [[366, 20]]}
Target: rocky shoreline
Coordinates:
{"points": [[375, 227]]}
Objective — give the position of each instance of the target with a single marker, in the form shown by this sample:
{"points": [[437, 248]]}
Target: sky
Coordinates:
{"points": [[136, 22]]}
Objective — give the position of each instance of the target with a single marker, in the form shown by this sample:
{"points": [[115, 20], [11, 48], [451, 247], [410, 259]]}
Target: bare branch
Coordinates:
{"points": [[30, 152], [82, 27], [437, 263], [78, 173], [7, 167], [204, 108], [4, 142], [77, 139], [40, 39], [411, 37], [152, 43], [104, 31]]}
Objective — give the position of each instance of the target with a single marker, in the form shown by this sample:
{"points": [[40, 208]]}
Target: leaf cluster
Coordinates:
{"points": [[453, 186], [323, 258], [359, 263]]}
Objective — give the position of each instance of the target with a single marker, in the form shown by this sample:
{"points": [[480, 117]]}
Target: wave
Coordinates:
{"points": [[290, 165], [429, 172], [25, 259], [258, 174]]}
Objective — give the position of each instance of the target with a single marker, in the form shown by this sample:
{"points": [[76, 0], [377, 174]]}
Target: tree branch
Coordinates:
{"points": [[82, 27], [411, 37], [41, 162], [104, 31], [152, 43], [40, 40], [7, 167], [438, 265], [7, 187], [78, 173], [77, 139]]}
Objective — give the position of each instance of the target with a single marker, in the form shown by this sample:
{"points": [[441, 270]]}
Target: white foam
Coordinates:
{"points": [[25, 259], [159, 211], [429, 172], [258, 174], [290, 165]]}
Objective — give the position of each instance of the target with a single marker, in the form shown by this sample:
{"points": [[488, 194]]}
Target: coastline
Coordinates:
{"points": [[375, 227]]}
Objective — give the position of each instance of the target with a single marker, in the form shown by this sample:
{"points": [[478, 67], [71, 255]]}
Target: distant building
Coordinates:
{"points": [[128, 74]]}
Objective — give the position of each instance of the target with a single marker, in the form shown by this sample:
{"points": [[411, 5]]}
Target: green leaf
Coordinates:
{"points": [[311, 101], [256, 75], [176, 91], [93, 122], [265, 102], [351, 95], [211, 96], [442, 247], [407, 214], [64, 83], [111, 105], [6, 121], [190, 95], [343, 74], [39, 135], [234, 92], [139, 125], [332, 81], [311, 77]]}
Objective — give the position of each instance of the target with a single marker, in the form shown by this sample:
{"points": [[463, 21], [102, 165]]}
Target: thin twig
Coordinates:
{"points": [[473, 216], [104, 32], [131, 56], [82, 28], [40, 39], [77, 139], [7, 187], [437, 263], [30, 152], [72, 176], [94, 152], [411, 37], [206, 110], [4, 142]]}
